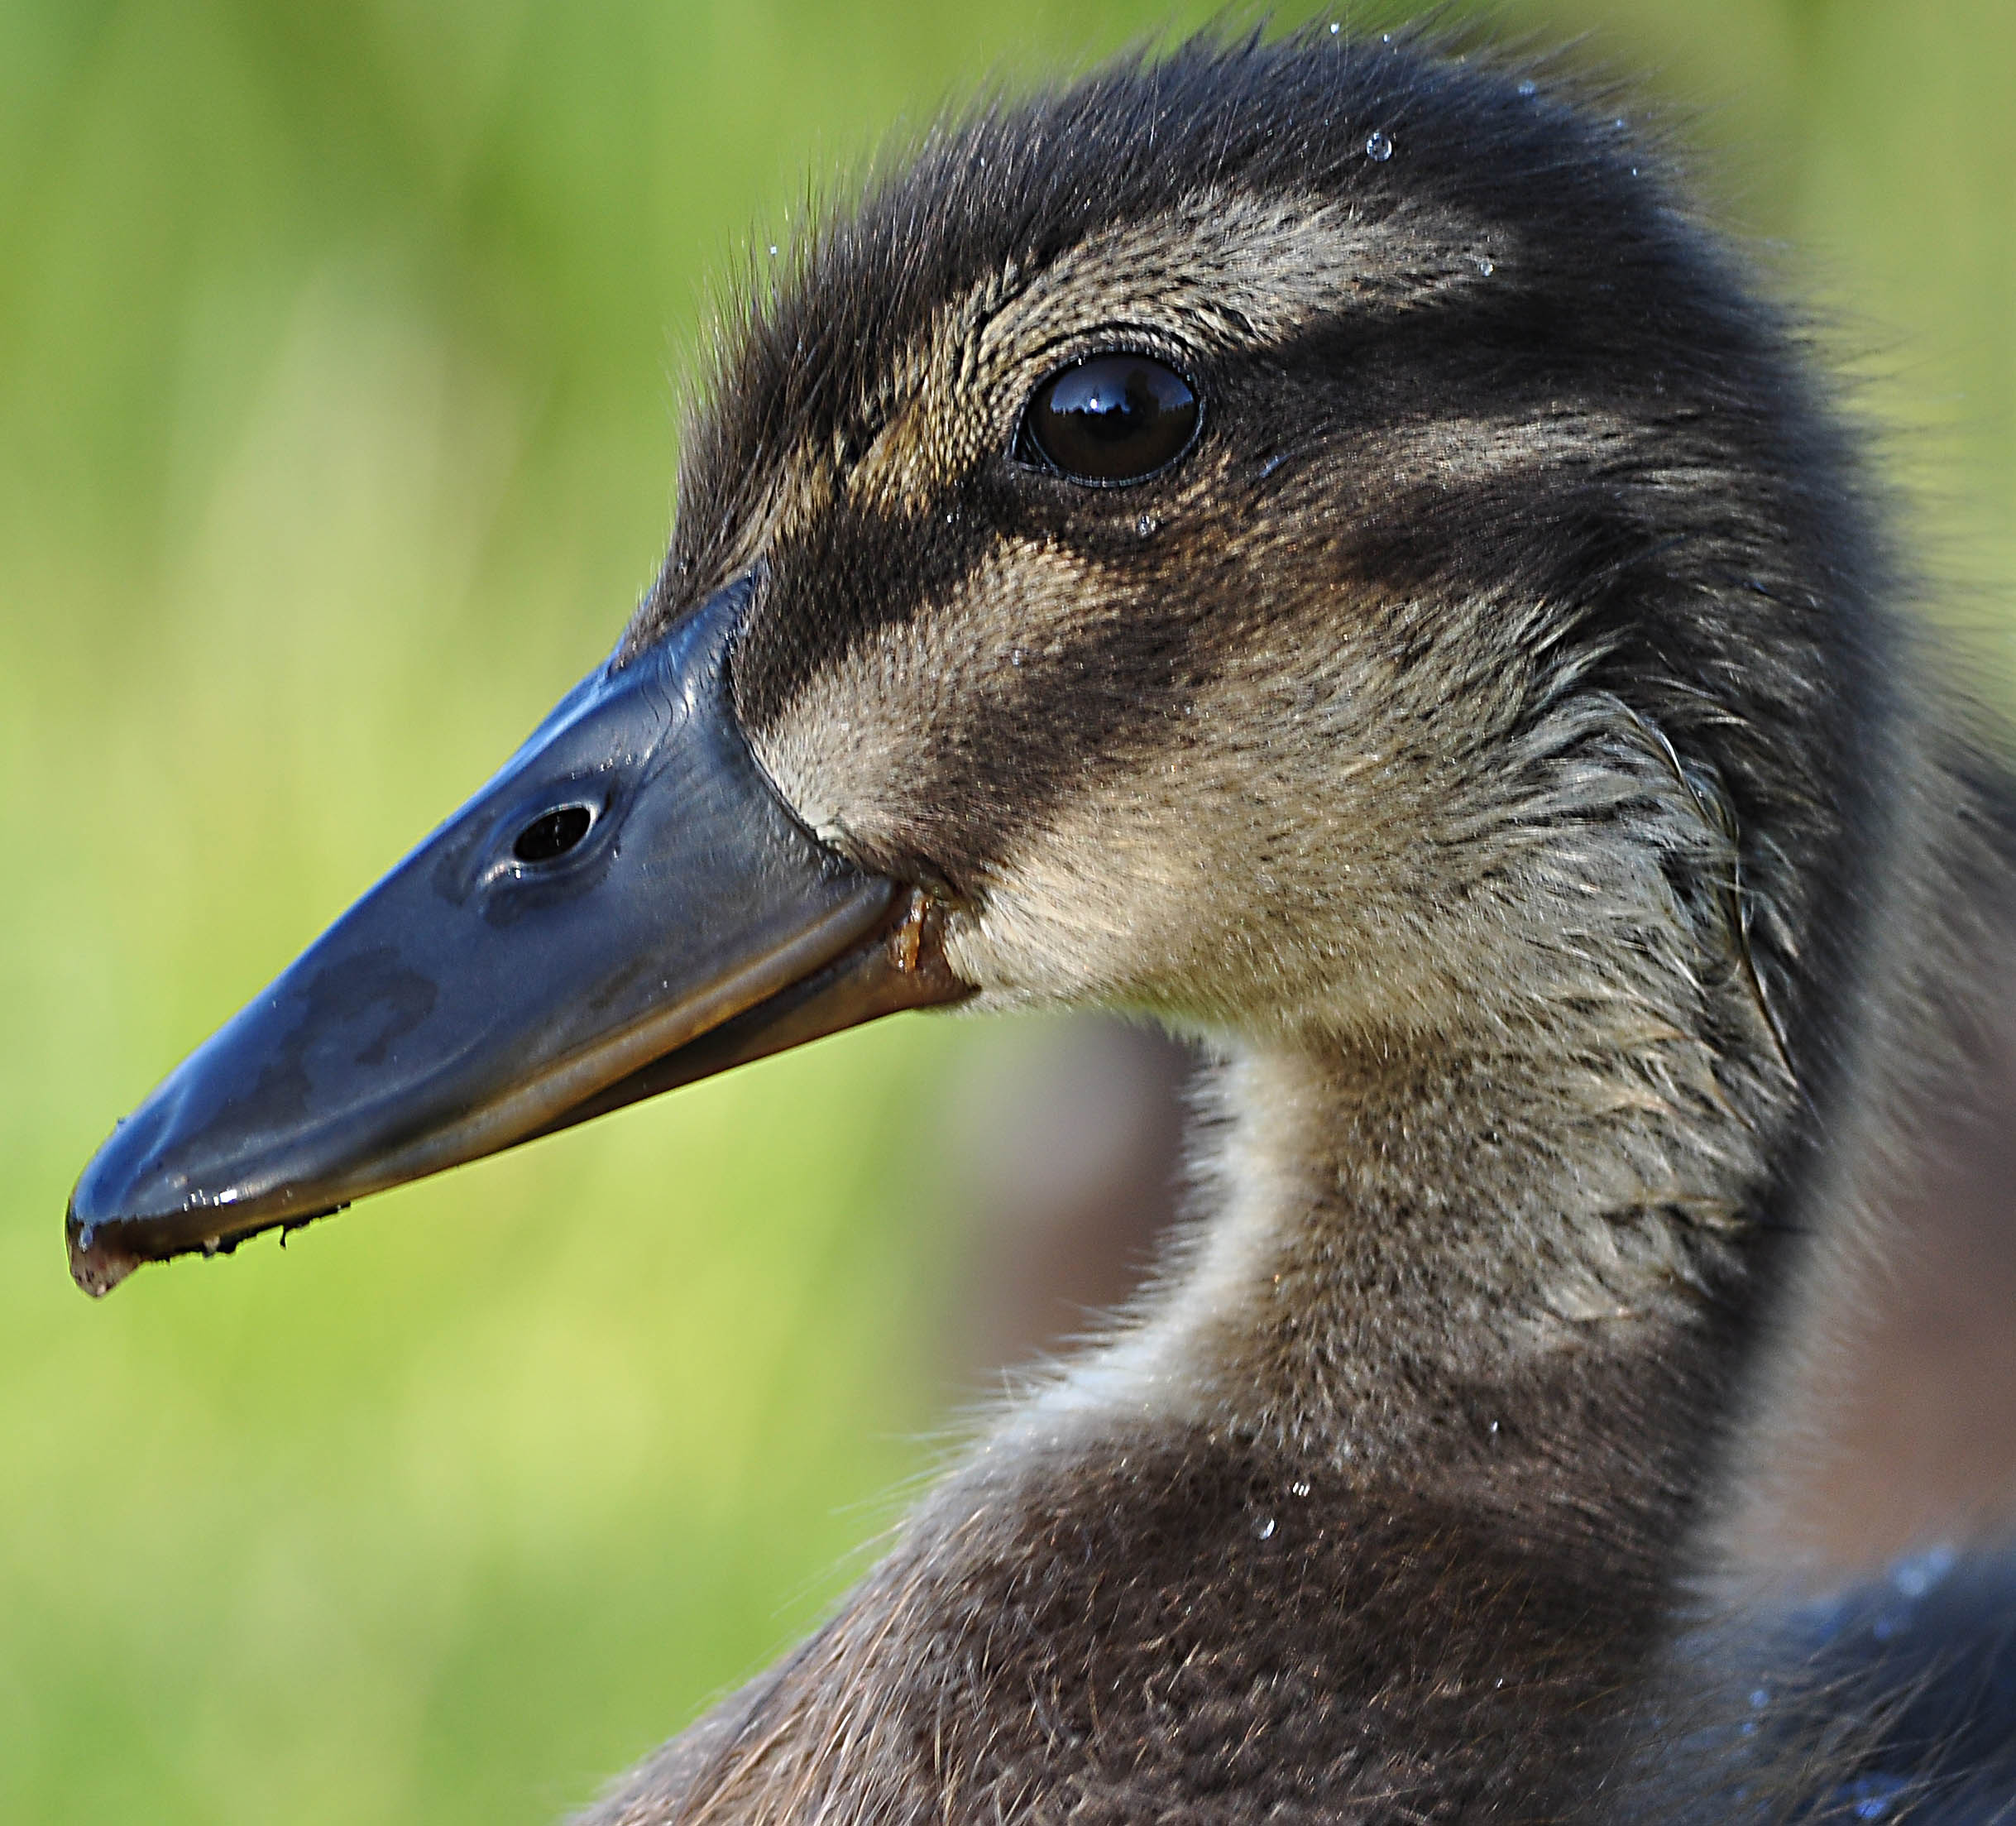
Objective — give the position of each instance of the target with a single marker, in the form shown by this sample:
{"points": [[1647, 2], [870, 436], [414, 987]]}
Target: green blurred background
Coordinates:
{"points": [[339, 350]]}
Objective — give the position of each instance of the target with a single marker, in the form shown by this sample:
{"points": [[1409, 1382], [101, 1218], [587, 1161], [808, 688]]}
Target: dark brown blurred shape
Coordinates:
{"points": [[1065, 1152], [1914, 1399], [1065, 1147]]}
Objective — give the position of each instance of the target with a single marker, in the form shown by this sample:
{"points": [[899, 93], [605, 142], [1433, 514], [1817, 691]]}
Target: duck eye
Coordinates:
{"points": [[1108, 420], [552, 833]]}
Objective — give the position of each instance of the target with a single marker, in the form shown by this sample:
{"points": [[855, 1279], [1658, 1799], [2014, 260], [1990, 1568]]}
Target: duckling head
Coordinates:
{"points": [[1302, 540], [1307, 540]]}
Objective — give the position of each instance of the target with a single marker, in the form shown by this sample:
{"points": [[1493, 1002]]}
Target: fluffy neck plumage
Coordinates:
{"points": [[1387, 1480], [1486, 1272]]}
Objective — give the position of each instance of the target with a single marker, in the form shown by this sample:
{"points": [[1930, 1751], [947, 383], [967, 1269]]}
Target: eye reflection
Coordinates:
{"points": [[1108, 420]]}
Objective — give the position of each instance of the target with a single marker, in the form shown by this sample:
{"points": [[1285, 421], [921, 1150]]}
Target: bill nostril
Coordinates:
{"points": [[553, 834]]}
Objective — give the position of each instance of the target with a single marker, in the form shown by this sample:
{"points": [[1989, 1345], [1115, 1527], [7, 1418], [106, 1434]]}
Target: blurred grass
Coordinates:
{"points": [[337, 350]]}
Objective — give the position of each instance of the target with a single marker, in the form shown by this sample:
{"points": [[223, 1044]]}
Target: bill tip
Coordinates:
{"points": [[99, 1263]]}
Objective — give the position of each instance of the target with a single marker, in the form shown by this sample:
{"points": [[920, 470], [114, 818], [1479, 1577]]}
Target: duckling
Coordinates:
{"points": [[1312, 542]]}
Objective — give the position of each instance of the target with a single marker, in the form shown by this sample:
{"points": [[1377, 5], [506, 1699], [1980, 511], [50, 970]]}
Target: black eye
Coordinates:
{"points": [[1111, 419], [552, 833]]}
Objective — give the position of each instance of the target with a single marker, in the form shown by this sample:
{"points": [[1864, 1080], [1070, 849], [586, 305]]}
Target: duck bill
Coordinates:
{"points": [[627, 906]]}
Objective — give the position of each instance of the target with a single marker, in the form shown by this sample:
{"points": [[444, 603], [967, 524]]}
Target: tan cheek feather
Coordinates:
{"points": [[869, 724]]}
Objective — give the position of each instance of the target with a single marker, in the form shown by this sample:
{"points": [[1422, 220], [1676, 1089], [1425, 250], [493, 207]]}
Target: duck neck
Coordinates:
{"points": [[1521, 1279]]}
